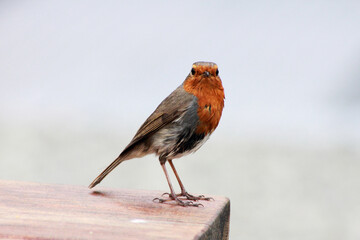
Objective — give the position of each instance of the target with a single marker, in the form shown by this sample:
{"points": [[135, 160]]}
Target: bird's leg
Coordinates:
{"points": [[184, 193], [172, 194]]}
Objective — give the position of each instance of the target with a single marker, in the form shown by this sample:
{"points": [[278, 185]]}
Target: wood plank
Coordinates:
{"points": [[44, 211]]}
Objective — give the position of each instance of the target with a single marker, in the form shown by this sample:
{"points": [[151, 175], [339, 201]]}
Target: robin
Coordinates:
{"points": [[180, 125]]}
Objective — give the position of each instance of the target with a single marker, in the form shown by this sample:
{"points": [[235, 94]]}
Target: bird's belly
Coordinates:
{"points": [[173, 142]]}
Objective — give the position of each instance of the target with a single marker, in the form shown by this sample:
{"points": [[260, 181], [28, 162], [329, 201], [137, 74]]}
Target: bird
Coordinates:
{"points": [[180, 125]]}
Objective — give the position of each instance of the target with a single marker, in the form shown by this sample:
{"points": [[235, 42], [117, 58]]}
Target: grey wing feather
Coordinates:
{"points": [[169, 109]]}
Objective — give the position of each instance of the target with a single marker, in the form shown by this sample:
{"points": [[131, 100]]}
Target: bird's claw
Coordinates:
{"points": [[189, 196], [158, 200], [166, 194]]}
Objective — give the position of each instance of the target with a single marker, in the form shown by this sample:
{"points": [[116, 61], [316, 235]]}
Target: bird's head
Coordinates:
{"points": [[203, 75], [201, 70]]}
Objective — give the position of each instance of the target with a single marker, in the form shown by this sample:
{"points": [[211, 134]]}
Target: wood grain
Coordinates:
{"points": [[43, 211]]}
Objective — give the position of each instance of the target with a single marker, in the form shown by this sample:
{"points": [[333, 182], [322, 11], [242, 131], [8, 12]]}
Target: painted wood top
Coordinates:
{"points": [[44, 211]]}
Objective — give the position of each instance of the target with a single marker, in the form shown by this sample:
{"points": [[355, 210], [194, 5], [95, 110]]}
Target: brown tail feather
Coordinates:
{"points": [[107, 170]]}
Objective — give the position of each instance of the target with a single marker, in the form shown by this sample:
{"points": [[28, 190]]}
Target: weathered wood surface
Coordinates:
{"points": [[42, 211]]}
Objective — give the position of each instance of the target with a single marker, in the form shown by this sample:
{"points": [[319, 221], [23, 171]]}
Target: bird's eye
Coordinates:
{"points": [[217, 72], [193, 71]]}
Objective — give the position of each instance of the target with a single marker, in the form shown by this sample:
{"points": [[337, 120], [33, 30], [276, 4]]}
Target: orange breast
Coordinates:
{"points": [[210, 94]]}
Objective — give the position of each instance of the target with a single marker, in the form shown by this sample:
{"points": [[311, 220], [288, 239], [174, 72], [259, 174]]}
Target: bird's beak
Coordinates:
{"points": [[206, 74]]}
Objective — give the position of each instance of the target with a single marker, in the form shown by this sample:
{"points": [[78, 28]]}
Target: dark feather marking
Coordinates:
{"points": [[208, 107], [189, 142]]}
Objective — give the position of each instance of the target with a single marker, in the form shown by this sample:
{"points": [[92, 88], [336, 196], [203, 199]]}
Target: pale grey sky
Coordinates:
{"points": [[288, 67]]}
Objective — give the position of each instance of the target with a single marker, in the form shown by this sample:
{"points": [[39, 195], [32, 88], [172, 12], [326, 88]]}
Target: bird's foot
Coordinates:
{"points": [[188, 196], [183, 203], [195, 198]]}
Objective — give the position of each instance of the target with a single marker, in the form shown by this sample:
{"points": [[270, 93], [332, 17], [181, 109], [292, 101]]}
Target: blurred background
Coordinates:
{"points": [[77, 79]]}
